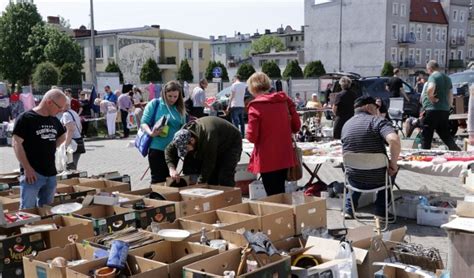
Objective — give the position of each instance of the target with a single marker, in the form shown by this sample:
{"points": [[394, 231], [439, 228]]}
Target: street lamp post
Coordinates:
{"points": [[340, 36], [93, 66]]}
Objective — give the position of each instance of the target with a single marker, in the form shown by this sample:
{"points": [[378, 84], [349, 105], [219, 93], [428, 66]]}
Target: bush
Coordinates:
{"points": [[314, 69], [225, 75], [70, 74], [271, 69], [184, 72], [46, 74], [210, 67], [245, 71], [150, 71], [387, 69], [293, 70], [114, 67]]}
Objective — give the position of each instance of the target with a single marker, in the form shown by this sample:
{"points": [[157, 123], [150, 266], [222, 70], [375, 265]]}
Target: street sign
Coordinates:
{"points": [[216, 80], [217, 72]]}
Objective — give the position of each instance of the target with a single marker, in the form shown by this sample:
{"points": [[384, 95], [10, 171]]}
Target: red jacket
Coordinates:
{"points": [[270, 128]]}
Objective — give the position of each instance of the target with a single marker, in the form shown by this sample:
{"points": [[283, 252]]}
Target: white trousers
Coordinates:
{"points": [[110, 119]]}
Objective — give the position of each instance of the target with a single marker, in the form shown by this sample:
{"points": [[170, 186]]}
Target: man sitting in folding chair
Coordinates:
{"points": [[367, 133]]}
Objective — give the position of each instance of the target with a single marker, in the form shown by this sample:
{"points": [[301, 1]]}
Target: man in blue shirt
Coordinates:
{"points": [[109, 95]]}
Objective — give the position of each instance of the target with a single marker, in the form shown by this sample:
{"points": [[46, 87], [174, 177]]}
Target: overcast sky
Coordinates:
{"points": [[201, 18]]}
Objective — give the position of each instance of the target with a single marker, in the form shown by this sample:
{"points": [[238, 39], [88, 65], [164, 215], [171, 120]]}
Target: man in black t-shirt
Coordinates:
{"points": [[36, 135], [395, 85]]}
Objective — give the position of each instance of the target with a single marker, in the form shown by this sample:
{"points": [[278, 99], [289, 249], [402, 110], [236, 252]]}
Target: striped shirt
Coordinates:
{"points": [[365, 133]]}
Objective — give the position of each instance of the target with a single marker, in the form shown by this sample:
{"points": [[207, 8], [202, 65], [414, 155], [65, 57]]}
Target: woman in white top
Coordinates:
{"points": [[72, 122], [109, 110]]}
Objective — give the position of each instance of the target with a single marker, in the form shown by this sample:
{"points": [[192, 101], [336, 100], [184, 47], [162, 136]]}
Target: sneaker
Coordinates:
{"points": [[348, 215]]}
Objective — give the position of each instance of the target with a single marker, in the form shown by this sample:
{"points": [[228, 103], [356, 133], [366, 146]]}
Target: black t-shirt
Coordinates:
{"points": [[86, 107], [327, 93], [39, 134], [345, 104], [394, 84]]}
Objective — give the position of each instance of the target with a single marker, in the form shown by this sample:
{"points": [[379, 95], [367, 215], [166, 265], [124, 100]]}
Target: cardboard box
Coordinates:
{"points": [[276, 266], [10, 204], [37, 266], [28, 218], [12, 178], [174, 254], [140, 268], [222, 220], [461, 239], [66, 192], [155, 211], [234, 240], [308, 212], [67, 225], [275, 221], [106, 219], [71, 174], [399, 270], [15, 246], [182, 225], [147, 238], [101, 185]]}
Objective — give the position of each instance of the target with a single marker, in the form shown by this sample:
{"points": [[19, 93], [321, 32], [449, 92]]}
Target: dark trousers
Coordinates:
{"points": [[237, 115], [379, 202], [158, 168], [197, 112], [437, 120], [338, 124], [224, 171], [274, 182], [123, 116]]}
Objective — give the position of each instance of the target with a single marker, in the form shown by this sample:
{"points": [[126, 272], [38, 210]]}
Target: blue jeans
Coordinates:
{"points": [[237, 115], [379, 202], [39, 193]]}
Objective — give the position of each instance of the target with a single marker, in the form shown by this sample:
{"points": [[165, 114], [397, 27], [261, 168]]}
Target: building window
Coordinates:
{"points": [[99, 52], [411, 54], [412, 28], [418, 56], [291, 38], [83, 52], [297, 38], [302, 38], [443, 34], [436, 55], [262, 62], [111, 50], [395, 8], [461, 33], [277, 61], [438, 34], [188, 53], [419, 30], [454, 34], [443, 56], [401, 55], [403, 10], [462, 15], [460, 56], [429, 31], [394, 31], [403, 32], [427, 55], [393, 54], [455, 15], [452, 54], [471, 51], [218, 50], [201, 51], [472, 29]]}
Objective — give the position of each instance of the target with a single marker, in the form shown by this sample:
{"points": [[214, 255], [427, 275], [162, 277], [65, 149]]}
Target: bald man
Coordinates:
{"points": [[36, 135]]}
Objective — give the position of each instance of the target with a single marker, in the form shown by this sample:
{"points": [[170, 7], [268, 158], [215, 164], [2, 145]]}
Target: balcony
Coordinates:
{"points": [[167, 63], [457, 63], [407, 63], [409, 38], [457, 41]]}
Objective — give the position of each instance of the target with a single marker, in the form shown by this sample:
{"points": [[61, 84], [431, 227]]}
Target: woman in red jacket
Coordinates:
{"points": [[272, 118]]}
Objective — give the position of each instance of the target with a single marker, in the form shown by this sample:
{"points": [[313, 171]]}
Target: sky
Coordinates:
{"points": [[200, 18]]}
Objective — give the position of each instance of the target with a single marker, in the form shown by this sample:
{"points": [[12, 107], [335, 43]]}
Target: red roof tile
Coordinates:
{"points": [[427, 11]]}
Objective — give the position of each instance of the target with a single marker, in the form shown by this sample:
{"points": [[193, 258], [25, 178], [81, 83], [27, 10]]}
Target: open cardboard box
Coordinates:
{"points": [[399, 270], [174, 254], [27, 218], [154, 211], [106, 219], [72, 192], [16, 245], [229, 221], [100, 185], [275, 221], [11, 178], [308, 212], [67, 225], [182, 225], [148, 237], [10, 204], [140, 268], [234, 239], [461, 239], [276, 266], [38, 265]]}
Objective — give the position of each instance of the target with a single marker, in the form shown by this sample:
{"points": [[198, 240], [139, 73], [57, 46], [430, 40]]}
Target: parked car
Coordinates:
{"points": [[461, 83], [374, 86]]}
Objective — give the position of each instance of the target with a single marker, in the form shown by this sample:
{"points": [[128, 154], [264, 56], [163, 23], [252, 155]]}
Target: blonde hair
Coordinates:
{"points": [[345, 82], [259, 82]]}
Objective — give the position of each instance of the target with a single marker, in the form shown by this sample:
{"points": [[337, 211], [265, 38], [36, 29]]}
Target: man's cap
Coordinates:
{"points": [[181, 140], [364, 100]]}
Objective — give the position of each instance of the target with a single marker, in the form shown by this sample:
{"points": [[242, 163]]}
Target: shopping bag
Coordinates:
{"points": [[61, 158], [296, 172], [142, 142], [131, 122]]}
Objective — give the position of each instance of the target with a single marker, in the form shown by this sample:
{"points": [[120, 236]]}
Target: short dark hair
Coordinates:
{"points": [[396, 70], [237, 76]]}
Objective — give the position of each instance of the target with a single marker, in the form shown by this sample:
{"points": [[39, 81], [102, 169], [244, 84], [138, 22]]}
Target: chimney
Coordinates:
{"points": [[267, 31], [212, 38], [82, 32], [155, 26], [53, 20]]}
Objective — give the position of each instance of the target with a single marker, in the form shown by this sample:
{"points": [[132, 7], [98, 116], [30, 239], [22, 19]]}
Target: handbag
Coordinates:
{"points": [[143, 139], [81, 148], [295, 172]]}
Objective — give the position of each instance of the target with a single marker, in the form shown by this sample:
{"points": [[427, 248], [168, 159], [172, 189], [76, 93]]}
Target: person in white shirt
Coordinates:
{"points": [[236, 104], [198, 98]]}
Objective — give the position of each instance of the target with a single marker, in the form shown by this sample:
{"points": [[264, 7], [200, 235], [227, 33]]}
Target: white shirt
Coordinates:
{"points": [[71, 116], [198, 97], [238, 89]]}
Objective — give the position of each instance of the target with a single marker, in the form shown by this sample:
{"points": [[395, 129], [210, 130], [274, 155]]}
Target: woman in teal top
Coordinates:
{"points": [[170, 105]]}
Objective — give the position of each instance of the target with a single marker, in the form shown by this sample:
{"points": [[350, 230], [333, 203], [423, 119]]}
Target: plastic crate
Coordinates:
{"points": [[433, 216], [407, 205]]}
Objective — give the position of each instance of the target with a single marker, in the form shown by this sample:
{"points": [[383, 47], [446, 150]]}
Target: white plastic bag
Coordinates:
{"points": [[131, 121], [61, 158], [257, 190], [348, 269]]}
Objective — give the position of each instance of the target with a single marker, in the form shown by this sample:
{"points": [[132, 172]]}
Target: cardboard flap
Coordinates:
{"points": [[465, 209], [460, 223], [328, 248]]}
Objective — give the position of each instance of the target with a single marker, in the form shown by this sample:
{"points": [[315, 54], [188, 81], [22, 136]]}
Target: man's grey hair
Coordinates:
{"points": [[345, 82], [432, 64], [360, 109]]}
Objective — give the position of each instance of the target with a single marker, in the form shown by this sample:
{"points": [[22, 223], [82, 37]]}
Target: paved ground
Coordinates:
{"points": [[115, 155]]}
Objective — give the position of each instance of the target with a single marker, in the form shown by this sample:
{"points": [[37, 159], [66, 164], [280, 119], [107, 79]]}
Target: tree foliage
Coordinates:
{"points": [[387, 69], [184, 72], [271, 69], [245, 71], [114, 67], [16, 25], [46, 74], [150, 71], [265, 43], [314, 69], [225, 74], [210, 67], [293, 70], [70, 74]]}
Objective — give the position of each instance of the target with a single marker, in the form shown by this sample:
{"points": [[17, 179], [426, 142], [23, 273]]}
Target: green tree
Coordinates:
{"points": [[150, 71], [70, 74], [64, 22], [387, 69], [210, 66], [184, 72], [271, 69], [265, 43], [46, 74], [114, 67], [293, 70], [225, 74], [16, 25], [314, 69], [245, 71]]}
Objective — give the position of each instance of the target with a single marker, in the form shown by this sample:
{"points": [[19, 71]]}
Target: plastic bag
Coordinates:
{"points": [[61, 158], [348, 269], [131, 121]]}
